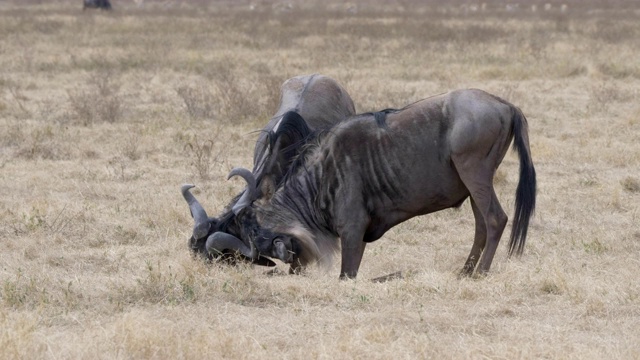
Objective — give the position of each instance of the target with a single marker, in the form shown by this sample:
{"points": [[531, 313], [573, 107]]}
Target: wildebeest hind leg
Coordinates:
{"points": [[477, 175], [479, 241], [495, 220]]}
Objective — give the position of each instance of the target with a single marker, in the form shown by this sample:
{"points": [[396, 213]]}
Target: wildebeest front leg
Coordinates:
{"points": [[352, 251], [351, 231]]}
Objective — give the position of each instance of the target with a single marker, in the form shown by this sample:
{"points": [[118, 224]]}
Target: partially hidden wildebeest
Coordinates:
{"points": [[97, 4], [322, 102], [377, 170]]}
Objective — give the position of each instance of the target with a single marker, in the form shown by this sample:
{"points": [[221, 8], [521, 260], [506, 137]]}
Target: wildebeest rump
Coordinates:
{"points": [[322, 102], [377, 170]]}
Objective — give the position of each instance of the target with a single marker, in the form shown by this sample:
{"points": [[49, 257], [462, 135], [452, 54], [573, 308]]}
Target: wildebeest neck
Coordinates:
{"points": [[295, 202]]}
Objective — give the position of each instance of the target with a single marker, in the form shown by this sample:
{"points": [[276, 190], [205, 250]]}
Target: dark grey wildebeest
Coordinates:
{"points": [[97, 4], [377, 170], [322, 102]]}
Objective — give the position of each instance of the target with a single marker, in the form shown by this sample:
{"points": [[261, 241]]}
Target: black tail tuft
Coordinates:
{"points": [[526, 190]]}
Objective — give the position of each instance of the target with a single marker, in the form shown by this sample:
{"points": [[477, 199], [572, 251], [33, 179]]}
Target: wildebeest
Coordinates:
{"points": [[97, 4], [322, 102], [377, 170]]}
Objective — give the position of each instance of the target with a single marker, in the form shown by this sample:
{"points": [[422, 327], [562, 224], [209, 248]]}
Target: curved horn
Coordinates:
{"points": [[201, 227], [220, 241], [249, 194]]}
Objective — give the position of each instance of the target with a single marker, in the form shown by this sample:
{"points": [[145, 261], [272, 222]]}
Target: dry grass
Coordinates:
{"points": [[104, 114]]}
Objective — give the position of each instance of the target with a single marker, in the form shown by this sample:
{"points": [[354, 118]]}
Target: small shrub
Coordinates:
{"points": [[550, 287], [13, 135], [631, 184], [203, 155], [158, 287], [238, 99], [131, 147], [595, 247], [198, 101], [119, 169], [613, 32], [100, 102], [15, 90], [23, 292], [589, 181], [601, 96], [231, 97], [271, 87], [44, 142]]}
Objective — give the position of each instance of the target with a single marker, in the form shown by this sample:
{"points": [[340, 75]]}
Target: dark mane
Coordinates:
{"points": [[295, 126], [294, 133], [314, 139], [281, 145], [310, 144]]}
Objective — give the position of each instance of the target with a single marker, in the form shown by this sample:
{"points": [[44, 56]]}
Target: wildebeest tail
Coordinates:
{"points": [[526, 190]]}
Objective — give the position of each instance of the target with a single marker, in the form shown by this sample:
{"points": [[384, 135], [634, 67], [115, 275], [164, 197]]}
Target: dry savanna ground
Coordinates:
{"points": [[103, 115]]}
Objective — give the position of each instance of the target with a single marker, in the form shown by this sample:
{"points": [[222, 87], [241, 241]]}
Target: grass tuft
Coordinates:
{"points": [[631, 184]]}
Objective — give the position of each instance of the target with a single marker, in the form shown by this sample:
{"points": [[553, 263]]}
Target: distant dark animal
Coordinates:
{"points": [[322, 102], [377, 170], [97, 4]]}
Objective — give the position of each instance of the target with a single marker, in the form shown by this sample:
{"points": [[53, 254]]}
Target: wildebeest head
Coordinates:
{"points": [[322, 102], [221, 238], [212, 237]]}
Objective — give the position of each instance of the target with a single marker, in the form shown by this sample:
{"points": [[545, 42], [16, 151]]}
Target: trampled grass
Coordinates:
{"points": [[103, 115]]}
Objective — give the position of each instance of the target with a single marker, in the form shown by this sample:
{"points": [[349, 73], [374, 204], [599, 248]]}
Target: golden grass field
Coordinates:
{"points": [[103, 115]]}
